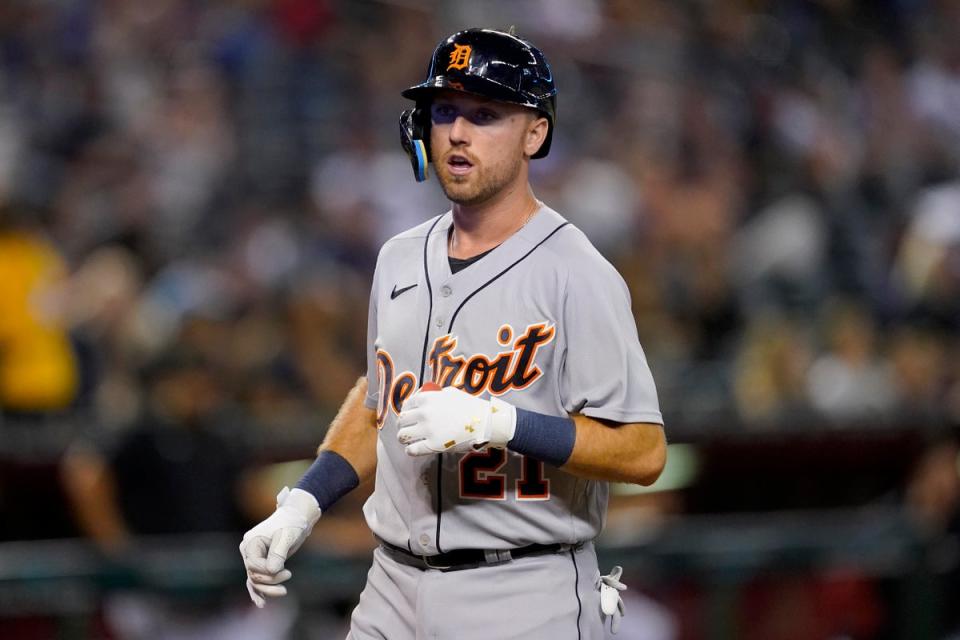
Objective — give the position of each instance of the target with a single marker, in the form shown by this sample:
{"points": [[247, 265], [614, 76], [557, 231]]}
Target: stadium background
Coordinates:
{"points": [[193, 195]]}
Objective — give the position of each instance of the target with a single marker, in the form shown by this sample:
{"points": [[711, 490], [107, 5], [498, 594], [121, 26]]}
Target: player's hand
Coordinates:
{"points": [[266, 547], [611, 604], [452, 420]]}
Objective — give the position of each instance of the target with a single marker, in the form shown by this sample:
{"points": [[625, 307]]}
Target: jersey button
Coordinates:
{"points": [[424, 540], [445, 291], [439, 322]]}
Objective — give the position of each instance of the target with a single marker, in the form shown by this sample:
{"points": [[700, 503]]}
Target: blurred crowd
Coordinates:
{"points": [[777, 181]]}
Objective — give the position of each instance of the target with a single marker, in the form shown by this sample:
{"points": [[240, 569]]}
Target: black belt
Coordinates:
{"points": [[468, 558]]}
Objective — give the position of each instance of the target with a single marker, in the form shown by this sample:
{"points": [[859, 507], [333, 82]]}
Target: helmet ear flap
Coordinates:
{"points": [[415, 139]]}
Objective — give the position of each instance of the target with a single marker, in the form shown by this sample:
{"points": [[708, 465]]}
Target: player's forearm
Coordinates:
{"points": [[348, 455], [353, 432], [634, 453], [585, 447]]}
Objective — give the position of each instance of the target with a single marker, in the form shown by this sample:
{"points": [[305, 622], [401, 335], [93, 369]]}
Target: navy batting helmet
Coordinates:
{"points": [[484, 62]]}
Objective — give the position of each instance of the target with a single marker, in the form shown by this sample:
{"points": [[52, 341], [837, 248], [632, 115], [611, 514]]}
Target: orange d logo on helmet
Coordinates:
{"points": [[460, 56]]}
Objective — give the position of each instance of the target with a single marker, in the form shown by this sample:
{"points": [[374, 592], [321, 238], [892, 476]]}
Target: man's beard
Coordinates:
{"points": [[476, 189]]}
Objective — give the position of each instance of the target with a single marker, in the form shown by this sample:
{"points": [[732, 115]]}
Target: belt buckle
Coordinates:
{"points": [[426, 561]]}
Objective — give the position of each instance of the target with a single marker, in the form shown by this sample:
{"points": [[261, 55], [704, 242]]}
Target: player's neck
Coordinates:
{"points": [[482, 227]]}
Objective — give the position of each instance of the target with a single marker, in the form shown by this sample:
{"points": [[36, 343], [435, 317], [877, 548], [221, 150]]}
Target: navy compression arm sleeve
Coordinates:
{"points": [[329, 478], [546, 438]]}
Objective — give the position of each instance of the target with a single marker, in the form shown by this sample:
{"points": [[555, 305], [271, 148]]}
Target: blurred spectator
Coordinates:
{"points": [[849, 381], [932, 499], [602, 201], [779, 255], [103, 296], [919, 367], [771, 373], [38, 370], [928, 262], [176, 472], [933, 489], [934, 82]]}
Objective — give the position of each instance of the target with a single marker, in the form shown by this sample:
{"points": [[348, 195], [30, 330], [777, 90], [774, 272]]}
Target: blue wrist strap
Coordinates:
{"points": [[329, 478], [546, 438]]}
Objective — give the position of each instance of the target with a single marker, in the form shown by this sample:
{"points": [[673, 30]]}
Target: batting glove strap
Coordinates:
{"points": [[301, 503], [503, 423]]}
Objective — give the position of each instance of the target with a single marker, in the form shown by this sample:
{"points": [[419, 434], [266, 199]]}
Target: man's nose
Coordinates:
{"points": [[460, 131]]}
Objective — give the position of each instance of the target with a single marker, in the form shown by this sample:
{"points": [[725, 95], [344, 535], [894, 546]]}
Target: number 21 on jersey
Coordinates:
{"points": [[481, 477]]}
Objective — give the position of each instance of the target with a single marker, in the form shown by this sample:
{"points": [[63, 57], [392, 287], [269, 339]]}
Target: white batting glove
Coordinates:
{"points": [[611, 604], [453, 420], [266, 547]]}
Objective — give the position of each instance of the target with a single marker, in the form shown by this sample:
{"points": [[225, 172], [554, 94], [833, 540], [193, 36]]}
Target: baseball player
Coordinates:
{"points": [[505, 386]]}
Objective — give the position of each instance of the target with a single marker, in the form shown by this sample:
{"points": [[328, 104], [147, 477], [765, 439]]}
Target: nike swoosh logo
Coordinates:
{"points": [[396, 292]]}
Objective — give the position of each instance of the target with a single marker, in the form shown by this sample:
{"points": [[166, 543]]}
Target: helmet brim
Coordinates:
{"points": [[476, 85]]}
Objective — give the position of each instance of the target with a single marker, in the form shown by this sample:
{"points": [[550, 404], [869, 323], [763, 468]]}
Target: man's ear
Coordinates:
{"points": [[535, 135]]}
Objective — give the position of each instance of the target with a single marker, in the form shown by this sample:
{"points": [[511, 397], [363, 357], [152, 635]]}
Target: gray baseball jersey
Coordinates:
{"points": [[544, 322]]}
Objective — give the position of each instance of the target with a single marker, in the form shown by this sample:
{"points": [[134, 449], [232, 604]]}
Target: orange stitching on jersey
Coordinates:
{"points": [[384, 384], [402, 391]]}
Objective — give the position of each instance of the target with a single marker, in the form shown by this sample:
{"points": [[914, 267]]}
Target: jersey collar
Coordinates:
{"points": [[543, 222]]}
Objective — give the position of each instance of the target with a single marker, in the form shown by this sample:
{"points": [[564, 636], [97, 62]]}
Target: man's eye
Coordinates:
{"points": [[443, 113], [484, 116]]}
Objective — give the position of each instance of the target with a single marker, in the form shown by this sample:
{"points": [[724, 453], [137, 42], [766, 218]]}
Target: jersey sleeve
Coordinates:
{"points": [[373, 387], [604, 371]]}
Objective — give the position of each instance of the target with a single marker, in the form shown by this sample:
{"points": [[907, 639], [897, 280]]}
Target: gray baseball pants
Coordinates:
{"points": [[555, 597]]}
